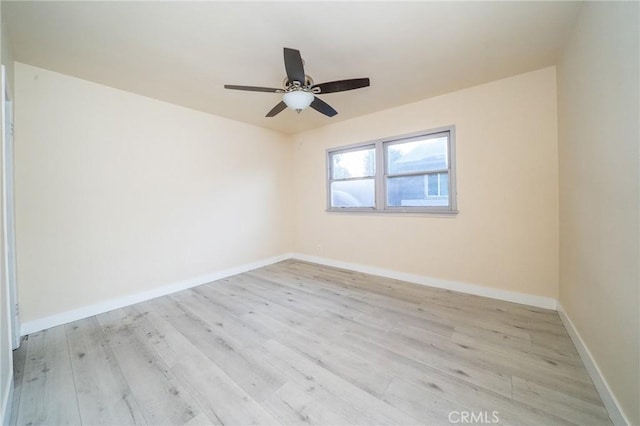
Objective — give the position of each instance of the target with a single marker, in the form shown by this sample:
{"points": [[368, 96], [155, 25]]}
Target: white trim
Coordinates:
{"points": [[608, 398], [8, 211], [611, 403], [8, 400], [109, 305], [478, 290]]}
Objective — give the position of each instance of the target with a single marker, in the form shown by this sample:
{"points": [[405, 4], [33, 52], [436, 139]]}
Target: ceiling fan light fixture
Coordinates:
{"points": [[298, 99]]}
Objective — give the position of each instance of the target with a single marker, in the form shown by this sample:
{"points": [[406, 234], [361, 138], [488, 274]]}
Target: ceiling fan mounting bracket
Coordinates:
{"points": [[292, 86]]}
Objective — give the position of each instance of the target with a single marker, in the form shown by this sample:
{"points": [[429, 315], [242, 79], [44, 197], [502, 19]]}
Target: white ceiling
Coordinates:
{"points": [[184, 52]]}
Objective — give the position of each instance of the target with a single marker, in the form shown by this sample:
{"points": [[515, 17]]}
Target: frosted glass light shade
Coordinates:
{"points": [[298, 99]]}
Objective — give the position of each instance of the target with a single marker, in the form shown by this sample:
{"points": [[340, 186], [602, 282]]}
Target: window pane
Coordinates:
{"points": [[418, 191], [353, 193], [444, 183], [353, 164], [432, 185], [417, 156]]}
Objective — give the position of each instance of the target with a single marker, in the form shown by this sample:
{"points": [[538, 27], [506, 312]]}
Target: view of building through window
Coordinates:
{"points": [[417, 173]]}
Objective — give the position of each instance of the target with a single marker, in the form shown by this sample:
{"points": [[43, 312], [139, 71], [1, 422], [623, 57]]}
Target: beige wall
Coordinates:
{"points": [[598, 94], [506, 234], [118, 194]]}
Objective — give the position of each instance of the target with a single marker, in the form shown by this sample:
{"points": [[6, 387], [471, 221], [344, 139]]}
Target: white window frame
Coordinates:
{"points": [[381, 174]]}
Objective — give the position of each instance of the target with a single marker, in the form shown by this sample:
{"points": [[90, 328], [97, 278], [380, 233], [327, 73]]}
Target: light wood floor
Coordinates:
{"points": [[297, 343]]}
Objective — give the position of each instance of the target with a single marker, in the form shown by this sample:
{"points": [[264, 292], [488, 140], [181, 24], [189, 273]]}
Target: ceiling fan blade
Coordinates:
{"points": [[253, 88], [276, 109], [293, 65], [342, 85], [323, 107]]}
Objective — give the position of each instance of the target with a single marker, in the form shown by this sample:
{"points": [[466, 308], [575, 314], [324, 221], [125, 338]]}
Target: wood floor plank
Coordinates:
{"points": [[313, 290], [162, 399], [221, 302], [367, 284], [231, 325], [200, 420], [523, 364], [292, 406], [450, 299], [421, 404], [19, 363], [569, 375], [425, 353], [348, 400], [257, 380], [462, 318], [240, 296], [448, 386], [515, 350], [222, 400], [335, 358], [104, 396], [289, 301], [559, 403], [48, 393], [536, 369]]}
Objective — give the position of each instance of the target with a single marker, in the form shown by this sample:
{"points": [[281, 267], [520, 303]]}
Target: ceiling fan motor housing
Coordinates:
{"points": [[295, 85]]}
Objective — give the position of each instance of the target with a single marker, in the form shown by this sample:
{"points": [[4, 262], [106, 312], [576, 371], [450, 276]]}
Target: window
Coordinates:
{"points": [[412, 173], [353, 177]]}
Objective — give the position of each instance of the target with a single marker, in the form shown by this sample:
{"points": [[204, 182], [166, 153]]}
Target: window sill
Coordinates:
{"points": [[396, 212]]}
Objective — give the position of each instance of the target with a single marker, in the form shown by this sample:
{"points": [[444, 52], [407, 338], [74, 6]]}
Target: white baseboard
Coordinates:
{"points": [[39, 324], [475, 289], [610, 402], [7, 401]]}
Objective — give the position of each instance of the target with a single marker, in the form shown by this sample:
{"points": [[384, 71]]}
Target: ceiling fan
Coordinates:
{"points": [[299, 89]]}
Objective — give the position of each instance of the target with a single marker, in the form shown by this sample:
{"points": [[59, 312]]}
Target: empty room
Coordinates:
{"points": [[328, 213]]}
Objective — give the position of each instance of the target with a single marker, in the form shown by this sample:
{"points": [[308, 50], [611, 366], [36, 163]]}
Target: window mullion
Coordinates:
{"points": [[381, 199]]}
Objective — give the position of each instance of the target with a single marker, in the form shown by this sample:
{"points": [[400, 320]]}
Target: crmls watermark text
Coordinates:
{"points": [[474, 417]]}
